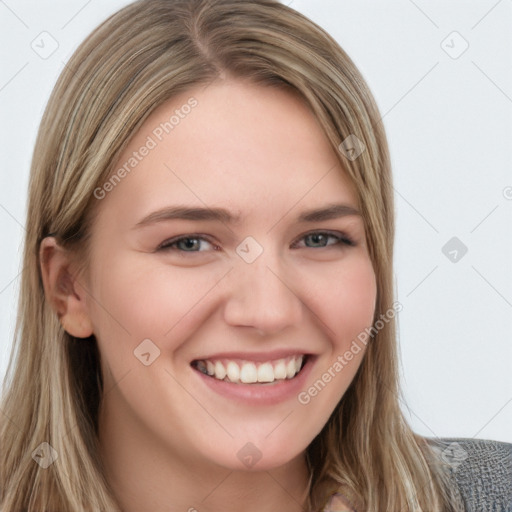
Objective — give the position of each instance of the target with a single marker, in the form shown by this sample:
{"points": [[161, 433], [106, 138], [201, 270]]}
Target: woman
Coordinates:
{"points": [[207, 318]]}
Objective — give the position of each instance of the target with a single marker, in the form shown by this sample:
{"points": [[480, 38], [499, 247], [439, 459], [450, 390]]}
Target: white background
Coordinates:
{"points": [[449, 124]]}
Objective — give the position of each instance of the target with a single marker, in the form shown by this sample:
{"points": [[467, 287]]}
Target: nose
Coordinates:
{"points": [[261, 296]]}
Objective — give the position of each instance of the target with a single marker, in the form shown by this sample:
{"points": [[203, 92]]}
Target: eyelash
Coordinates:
{"points": [[341, 238]]}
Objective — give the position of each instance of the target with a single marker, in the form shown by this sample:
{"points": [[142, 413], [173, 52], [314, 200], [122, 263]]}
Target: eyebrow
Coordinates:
{"points": [[188, 213], [329, 212], [333, 211]]}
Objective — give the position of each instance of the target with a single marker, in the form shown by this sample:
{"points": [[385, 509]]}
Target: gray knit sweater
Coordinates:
{"points": [[482, 470]]}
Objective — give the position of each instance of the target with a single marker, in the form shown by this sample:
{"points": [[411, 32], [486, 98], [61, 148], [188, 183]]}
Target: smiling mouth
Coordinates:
{"points": [[250, 372]]}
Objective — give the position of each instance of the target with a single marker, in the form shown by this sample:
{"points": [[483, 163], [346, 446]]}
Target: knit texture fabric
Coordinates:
{"points": [[482, 470]]}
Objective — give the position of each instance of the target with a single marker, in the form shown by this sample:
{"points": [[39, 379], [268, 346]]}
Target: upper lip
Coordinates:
{"points": [[255, 356]]}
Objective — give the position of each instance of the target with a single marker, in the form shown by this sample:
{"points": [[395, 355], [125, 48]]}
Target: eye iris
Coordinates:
{"points": [[318, 239], [188, 243]]}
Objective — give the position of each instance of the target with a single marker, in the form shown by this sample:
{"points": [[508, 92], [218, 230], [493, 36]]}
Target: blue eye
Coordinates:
{"points": [[320, 239], [316, 239], [184, 244]]}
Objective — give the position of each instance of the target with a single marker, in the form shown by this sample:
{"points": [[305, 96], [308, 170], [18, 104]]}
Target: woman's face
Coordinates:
{"points": [[222, 248]]}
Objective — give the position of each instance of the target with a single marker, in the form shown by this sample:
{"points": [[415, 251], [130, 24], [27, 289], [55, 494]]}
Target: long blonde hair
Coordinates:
{"points": [[140, 57]]}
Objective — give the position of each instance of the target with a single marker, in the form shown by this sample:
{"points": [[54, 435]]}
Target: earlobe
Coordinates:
{"points": [[78, 326], [60, 288]]}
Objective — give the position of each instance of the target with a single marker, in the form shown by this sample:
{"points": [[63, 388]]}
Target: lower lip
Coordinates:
{"points": [[260, 394]]}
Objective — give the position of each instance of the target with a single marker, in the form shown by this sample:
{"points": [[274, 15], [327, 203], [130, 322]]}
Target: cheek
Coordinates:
{"points": [[344, 299], [357, 297], [134, 300]]}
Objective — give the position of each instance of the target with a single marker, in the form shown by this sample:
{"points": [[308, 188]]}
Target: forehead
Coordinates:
{"points": [[245, 146]]}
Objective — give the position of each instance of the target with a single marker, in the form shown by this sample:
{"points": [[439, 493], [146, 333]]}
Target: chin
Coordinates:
{"points": [[258, 455]]}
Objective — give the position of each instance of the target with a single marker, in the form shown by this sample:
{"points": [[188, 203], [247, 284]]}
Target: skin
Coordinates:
{"points": [[168, 441]]}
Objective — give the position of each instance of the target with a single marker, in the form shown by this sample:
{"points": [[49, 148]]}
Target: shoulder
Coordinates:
{"points": [[482, 470]]}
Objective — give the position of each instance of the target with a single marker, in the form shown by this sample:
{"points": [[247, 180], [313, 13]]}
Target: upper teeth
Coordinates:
{"points": [[248, 372]]}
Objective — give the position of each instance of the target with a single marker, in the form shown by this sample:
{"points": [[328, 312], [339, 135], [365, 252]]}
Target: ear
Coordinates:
{"points": [[62, 289]]}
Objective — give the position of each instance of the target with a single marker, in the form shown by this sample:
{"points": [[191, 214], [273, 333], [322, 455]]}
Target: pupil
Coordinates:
{"points": [[317, 238], [189, 243]]}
